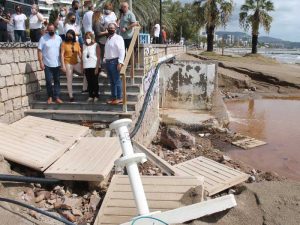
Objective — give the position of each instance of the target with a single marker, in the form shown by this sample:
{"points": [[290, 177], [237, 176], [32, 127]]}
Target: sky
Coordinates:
{"points": [[285, 24]]}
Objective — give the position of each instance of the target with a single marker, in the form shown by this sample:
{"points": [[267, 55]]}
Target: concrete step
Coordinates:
{"points": [[81, 97], [95, 107], [79, 115], [102, 80], [132, 88]]}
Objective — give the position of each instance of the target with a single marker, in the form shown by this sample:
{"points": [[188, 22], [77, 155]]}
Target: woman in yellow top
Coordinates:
{"points": [[70, 59]]}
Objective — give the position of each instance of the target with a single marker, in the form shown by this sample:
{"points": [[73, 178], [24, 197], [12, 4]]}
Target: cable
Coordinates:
{"points": [[148, 217], [146, 100], [63, 220], [4, 177]]}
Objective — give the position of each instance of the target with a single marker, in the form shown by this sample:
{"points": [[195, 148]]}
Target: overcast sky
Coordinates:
{"points": [[285, 24]]}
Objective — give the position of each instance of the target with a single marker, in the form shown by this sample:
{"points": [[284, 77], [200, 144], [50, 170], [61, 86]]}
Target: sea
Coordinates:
{"points": [[289, 56]]}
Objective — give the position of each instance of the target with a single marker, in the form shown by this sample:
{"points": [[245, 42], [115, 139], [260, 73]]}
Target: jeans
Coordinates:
{"points": [[92, 80], [127, 43], [114, 78], [52, 72], [3, 35], [20, 36], [35, 35]]}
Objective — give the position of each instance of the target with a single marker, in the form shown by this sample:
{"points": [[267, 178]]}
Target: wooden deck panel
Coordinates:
{"points": [[37, 142], [163, 193], [28, 149], [65, 133], [91, 159], [217, 177]]}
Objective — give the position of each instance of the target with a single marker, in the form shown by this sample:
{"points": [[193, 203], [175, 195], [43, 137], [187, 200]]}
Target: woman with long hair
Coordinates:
{"points": [[70, 59], [91, 65], [100, 32], [61, 22], [70, 24]]}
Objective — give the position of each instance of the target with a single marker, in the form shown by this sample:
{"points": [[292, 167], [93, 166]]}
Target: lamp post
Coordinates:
{"points": [[160, 13], [130, 4]]}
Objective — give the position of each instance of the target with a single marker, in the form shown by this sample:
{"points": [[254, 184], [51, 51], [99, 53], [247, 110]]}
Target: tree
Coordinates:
{"points": [[212, 14], [255, 13]]}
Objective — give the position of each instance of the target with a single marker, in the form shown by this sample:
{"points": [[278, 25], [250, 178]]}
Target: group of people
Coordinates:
{"points": [[13, 27], [68, 47]]}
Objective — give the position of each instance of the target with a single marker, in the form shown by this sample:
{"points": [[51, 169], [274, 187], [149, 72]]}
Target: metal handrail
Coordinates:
{"points": [[129, 56]]}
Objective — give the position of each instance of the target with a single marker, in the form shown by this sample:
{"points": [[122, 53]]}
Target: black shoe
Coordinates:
{"points": [[84, 91], [72, 99]]}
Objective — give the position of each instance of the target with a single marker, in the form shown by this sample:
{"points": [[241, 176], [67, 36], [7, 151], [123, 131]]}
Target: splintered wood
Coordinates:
{"points": [[162, 193], [248, 143], [217, 177]]}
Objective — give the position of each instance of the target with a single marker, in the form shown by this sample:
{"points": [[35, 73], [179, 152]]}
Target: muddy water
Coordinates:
{"points": [[278, 123]]}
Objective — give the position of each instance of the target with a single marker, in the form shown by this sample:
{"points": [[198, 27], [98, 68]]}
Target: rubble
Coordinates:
{"points": [[174, 137]]}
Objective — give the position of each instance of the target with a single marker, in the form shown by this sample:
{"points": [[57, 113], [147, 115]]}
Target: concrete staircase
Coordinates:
{"points": [[82, 111]]}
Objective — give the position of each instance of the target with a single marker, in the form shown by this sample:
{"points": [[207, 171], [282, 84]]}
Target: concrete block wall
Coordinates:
{"points": [[20, 79], [151, 54], [188, 85]]}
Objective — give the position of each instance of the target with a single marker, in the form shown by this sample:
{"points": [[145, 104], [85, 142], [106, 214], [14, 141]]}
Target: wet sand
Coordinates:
{"points": [[278, 123]]}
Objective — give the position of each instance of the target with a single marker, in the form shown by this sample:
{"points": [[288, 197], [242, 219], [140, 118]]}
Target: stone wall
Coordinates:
{"points": [[188, 85], [20, 79], [152, 55]]}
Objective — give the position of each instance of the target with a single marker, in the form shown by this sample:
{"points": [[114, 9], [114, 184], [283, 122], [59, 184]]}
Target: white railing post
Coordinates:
{"points": [[130, 160]]}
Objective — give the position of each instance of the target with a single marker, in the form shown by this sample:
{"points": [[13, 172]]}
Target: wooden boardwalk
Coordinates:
{"points": [[163, 193], [91, 159], [37, 142], [217, 177]]}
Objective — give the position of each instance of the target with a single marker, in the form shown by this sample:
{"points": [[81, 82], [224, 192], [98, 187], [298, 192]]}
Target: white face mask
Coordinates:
{"points": [[88, 41], [62, 13]]}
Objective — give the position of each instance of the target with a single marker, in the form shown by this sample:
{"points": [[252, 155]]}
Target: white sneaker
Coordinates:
{"points": [[90, 99], [102, 74], [96, 99]]}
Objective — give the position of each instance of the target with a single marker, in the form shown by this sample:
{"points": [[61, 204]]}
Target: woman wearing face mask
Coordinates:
{"points": [[61, 20], [70, 56], [100, 32], [109, 15], [19, 19], [35, 24], [70, 24], [91, 62]]}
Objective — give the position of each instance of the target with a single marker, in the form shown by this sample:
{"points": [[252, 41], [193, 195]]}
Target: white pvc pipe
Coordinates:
{"points": [[132, 169]]}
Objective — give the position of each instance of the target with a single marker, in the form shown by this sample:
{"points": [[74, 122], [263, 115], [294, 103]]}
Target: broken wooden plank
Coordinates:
{"points": [[155, 159], [248, 142], [162, 192], [217, 177], [191, 212], [28, 149], [65, 133], [91, 159]]}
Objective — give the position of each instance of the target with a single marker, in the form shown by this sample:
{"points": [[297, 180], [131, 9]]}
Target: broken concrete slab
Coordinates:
{"points": [[175, 137], [217, 177]]}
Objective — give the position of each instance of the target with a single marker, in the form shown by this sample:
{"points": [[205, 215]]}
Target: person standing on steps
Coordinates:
{"points": [[127, 22], [114, 57], [70, 59], [19, 19], [35, 24], [91, 65], [49, 59]]}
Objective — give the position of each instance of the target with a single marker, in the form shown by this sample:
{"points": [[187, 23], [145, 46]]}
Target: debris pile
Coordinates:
{"points": [[75, 208]]}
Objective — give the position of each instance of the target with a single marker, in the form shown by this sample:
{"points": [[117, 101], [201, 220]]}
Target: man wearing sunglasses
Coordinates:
{"points": [[49, 59]]}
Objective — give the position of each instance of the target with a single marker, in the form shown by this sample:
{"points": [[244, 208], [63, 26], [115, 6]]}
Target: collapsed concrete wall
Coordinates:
{"points": [[188, 85], [20, 79], [151, 56]]}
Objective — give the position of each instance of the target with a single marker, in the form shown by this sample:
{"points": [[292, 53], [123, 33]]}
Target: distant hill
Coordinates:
{"points": [[262, 39]]}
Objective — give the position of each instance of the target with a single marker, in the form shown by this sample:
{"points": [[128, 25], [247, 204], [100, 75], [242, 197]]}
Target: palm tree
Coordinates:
{"points": [[212, 14], [255, 13]]}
